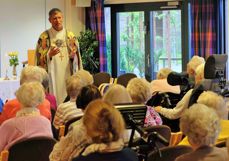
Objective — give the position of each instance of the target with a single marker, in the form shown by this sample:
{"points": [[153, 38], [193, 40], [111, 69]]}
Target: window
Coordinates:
{"points": [[144, 38]]}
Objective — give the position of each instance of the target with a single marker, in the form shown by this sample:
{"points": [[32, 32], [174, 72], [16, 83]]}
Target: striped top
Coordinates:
{"points": [[65, 112]]}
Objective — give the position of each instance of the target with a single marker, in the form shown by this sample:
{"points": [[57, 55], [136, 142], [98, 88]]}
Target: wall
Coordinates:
{"points": [[23, 21]]}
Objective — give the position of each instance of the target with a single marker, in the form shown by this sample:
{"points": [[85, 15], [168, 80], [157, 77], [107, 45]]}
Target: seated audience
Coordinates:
{"points": [[140, 92], [28, 122], [182, 105], [104, 128], [163, 73], [216, 102], [202, 126], [76, 139], [28, 74], [117, 94], [161, 84], [85, 76], [68, 110], [86, 79], [192, 65], [87, 94], [51, 98]]}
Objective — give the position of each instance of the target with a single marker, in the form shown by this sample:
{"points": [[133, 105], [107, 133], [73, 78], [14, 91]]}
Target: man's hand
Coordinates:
{"points": [[53, 51]]}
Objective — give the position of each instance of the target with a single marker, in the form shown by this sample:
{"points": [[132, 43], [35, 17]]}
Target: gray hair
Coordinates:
{"points": [[195, 62], [30, 94], [139, 90], [163, 73], [85, 76], [201, 124], [73, 86], [215, 101], [31, 73], [117, 94]]}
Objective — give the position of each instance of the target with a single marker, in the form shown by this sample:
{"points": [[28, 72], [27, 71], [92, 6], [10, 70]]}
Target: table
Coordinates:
{"points": [[8, 88]]}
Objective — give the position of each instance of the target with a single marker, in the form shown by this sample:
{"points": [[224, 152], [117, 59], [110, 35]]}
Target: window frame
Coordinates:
{"points": [[147, 8]]}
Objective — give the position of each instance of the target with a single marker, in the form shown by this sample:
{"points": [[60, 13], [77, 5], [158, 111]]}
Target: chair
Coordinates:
{"points": [[63, 129], [104, 87], [4, 155], [100, 78], [176, 137], [54, 130], [31, 57], [32, 149], [221, 144], [169, 153], [124, 79], [69, 122], [163, 130]]}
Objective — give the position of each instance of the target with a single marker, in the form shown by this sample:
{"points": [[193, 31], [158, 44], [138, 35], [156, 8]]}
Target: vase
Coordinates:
{"points": [[14, 71]]}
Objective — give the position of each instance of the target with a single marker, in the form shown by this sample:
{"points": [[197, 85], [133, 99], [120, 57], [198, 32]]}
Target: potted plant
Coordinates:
{"points": [[88, 45]]}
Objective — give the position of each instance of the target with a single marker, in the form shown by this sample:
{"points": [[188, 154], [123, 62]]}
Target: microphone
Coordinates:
{"points": [[154, 136]]}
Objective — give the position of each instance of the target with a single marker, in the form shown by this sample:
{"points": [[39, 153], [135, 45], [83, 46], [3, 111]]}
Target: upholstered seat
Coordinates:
{"points": [[125, 78], [100, 78], [33, 149]]}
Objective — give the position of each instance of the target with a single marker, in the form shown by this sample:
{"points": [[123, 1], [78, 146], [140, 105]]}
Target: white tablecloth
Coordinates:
{"points": [[8, 88]]}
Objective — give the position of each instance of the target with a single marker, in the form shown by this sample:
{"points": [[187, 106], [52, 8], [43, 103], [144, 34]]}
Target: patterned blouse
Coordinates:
{"points": [[152, 117]]}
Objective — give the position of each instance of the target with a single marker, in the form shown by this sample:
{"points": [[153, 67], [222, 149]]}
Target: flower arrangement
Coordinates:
{"points": [[13, 58]]}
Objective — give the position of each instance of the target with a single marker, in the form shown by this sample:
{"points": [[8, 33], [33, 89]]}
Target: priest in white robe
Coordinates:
{"points": [[58, 52]]}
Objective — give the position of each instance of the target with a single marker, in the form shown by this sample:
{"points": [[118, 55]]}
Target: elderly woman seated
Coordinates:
{"points": [[28, 74], [76, 139], [68, 110], [218, 104], [50, 97], [192, 65], [161, 84], [28, 122], [140, 92], [183, 104], [105, 128], [201, 124], [86, 79], [117, 94]]}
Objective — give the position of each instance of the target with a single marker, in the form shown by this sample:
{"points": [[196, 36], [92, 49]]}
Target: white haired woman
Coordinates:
{"points": [[182, 105], [140, 91], [117, 94], [161, 85], [28, 74], [193, 64], [28, 122], [201, 125], [86, 79], [218, 104], [68, 110]]}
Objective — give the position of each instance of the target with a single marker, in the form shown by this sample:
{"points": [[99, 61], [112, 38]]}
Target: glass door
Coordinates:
{"points": [[131, 43], [145, 38], [165, 31]]}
